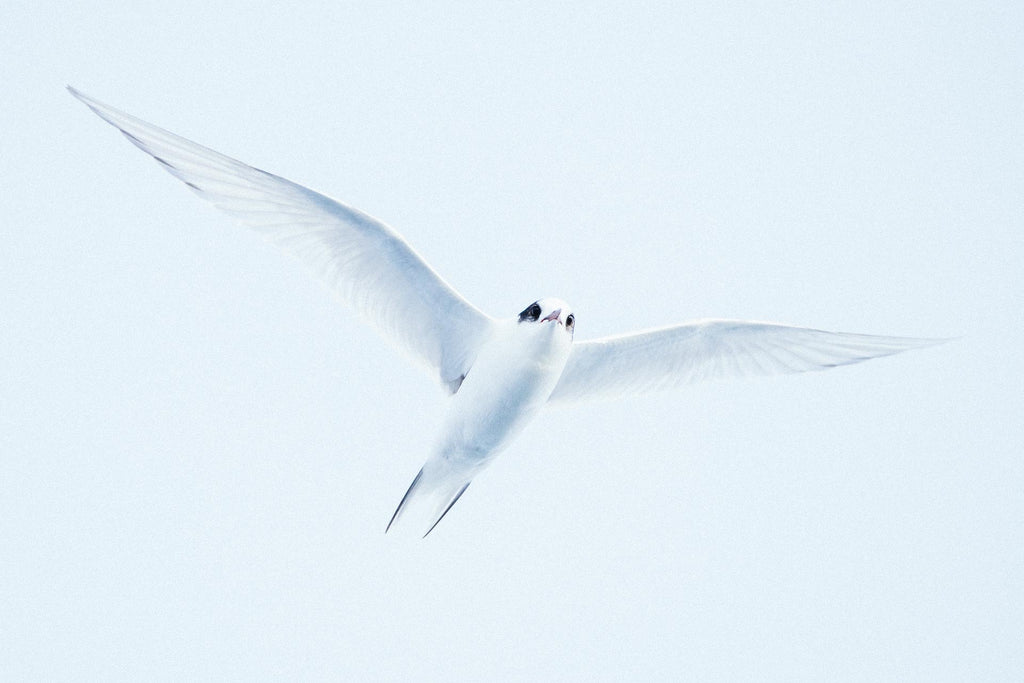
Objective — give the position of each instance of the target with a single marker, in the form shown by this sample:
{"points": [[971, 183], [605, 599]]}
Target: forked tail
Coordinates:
{"points": [[432, 495]]}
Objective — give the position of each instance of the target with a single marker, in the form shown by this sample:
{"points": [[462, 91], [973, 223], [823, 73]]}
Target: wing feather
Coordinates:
{"points": [[366, 262], [658, 359]]}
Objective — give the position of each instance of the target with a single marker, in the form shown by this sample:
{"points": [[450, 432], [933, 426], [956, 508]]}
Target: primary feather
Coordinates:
{"points": [[367, 263], [657, 359]]}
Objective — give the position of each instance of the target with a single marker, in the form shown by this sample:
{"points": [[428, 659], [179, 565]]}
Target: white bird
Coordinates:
{"points": [[500, 372]]}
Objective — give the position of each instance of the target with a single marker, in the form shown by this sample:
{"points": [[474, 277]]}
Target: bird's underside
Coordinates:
{"points": [[499, 372]]}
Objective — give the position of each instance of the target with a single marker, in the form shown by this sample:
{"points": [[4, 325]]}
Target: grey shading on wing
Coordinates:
{"points": [[668, 357], [367, 263]]}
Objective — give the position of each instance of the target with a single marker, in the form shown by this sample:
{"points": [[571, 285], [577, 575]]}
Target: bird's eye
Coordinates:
{"points": [[570, 321], [531, 313]]}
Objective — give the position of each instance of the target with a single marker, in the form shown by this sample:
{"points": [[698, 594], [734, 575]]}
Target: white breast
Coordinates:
{"points": [[512, 378]]}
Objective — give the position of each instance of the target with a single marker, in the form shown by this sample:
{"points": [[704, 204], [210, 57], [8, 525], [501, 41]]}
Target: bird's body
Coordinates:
{"points": [[513, 377], [500, 372]]}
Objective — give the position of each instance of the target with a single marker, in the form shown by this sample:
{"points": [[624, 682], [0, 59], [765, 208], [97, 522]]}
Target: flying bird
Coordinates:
{"points": [[499, 372]]}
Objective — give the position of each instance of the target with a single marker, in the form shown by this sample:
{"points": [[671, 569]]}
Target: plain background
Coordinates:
{"points": [[199, 448]]}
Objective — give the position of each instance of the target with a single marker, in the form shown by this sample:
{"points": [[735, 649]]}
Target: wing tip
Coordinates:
{"points": [[901, 344], [81, 96]]}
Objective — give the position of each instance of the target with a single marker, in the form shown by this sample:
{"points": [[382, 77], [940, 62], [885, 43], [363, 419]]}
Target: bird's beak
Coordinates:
{"points": [[554, 316]]}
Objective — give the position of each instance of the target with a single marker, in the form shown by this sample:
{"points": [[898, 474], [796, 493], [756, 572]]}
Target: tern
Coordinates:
{"points": [[499, 373]]}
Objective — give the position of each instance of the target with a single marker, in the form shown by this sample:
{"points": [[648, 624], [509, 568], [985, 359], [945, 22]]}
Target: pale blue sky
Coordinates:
{"points": [[199, 449]]}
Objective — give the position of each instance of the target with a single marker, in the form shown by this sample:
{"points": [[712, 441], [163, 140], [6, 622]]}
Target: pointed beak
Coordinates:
{"points": [[553, 316]]}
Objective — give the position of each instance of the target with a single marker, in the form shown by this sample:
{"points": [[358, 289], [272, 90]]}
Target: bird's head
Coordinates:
{"points": [[549, 311]]}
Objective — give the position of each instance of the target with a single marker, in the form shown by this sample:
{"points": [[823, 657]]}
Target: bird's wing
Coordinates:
{"points": [[372, 268], [668, 357]]}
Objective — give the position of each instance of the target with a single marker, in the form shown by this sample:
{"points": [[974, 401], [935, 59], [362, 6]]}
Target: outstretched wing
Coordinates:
{"points": [[668, 357], [372, 268]]}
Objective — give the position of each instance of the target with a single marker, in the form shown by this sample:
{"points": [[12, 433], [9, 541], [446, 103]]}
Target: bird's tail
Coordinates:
{"points": [[430, 496]]}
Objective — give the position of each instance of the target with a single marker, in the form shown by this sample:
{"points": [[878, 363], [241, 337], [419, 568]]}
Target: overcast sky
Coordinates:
{"points": [[200, 448]]}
